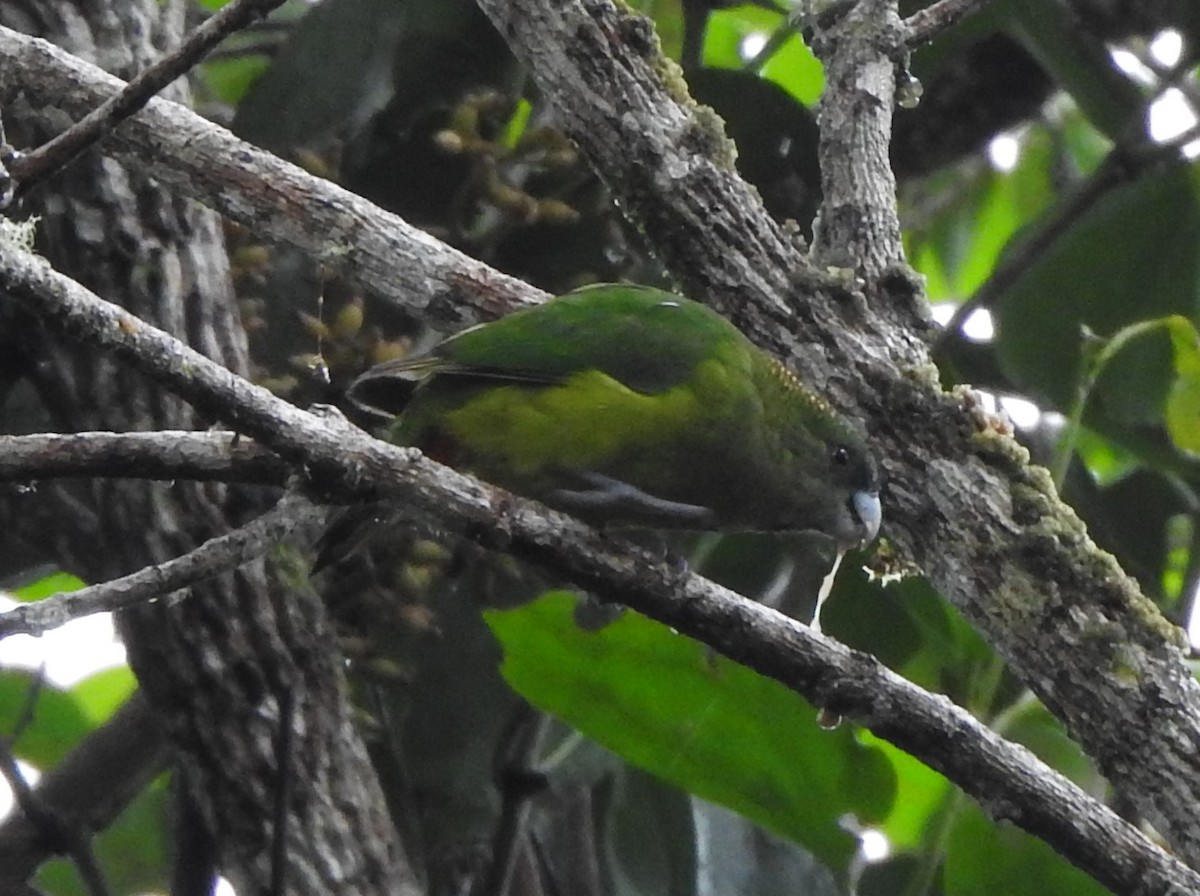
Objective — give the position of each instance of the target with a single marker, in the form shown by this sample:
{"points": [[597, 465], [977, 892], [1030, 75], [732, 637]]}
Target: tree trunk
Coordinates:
{"points": [[242, 654]]}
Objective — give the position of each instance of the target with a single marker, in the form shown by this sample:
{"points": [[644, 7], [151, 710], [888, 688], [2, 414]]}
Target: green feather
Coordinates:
{"points": [[627, 404]]}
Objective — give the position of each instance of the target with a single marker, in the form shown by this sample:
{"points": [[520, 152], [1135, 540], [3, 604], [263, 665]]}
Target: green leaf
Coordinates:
{"points": [[910, 628], [229, 79], [668, 705], [99, 695], [332, 75], [1183, 401], [57, 724], [1134, 256], [793, 66], [966, 240], [55, 583], [922, 794], [1030, 724], [132, 851], [988, 859]]}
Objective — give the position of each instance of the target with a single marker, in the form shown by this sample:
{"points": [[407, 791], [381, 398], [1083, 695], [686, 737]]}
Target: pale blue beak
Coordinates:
{"points": [[869, 512]]}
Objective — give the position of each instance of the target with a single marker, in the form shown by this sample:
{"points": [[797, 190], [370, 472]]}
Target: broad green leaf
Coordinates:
{"points": [[920, 794], [1030, 724], [668, 705], [960, 248], [1106, 461], [909, 628], [57, 721], [1134, 256], [988, 859], [132, 852], [668, 23], [1011, 201], [99, 695], [793, 66], [229, 79]]}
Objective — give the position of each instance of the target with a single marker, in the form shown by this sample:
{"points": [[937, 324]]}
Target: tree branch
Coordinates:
{"points": [[962, 500], [166, 455], [217, 555], [858, 226], [29, 168], [87, 790], [1004, 778], [926, 24], [343, 232]]}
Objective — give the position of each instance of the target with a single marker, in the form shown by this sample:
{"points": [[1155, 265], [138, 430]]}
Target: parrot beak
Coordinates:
{"points": [[869, 512]]}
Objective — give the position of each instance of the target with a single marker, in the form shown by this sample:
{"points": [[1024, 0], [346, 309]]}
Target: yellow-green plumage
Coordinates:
{"points": [[630, 405]]}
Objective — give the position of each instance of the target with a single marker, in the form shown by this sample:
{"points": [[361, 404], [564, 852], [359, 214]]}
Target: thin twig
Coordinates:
{"points": [[285, 770], [215, 556], [29, 168], [89, 788], [65, 837], [518, 780], [926, 24], [166, 455]]}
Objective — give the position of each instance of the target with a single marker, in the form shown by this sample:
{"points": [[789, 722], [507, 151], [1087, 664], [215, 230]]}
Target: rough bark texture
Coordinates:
{"points": [[343, 460], [858, 226], [217, 668], [962, 499]]}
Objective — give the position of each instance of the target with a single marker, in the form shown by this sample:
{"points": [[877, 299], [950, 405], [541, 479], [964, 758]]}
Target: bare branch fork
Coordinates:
{"points": [[343, 460], [290, 517], [28, 168]]}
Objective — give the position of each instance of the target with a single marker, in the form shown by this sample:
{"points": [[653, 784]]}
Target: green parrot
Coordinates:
{"points": [[629, 406]]}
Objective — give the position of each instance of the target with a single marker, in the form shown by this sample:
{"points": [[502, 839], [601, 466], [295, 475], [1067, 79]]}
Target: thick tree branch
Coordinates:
{"points": [[1006, 779], [224, 552], [166, 455], [962, 500], [858, 226], [276, 200], [215, 669], [28, 168]]}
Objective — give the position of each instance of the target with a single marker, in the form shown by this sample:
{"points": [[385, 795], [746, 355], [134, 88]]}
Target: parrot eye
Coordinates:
{"points": [[840, 456]]}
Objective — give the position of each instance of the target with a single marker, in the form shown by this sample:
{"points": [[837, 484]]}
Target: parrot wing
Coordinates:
{"points": [[645, 338]]}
